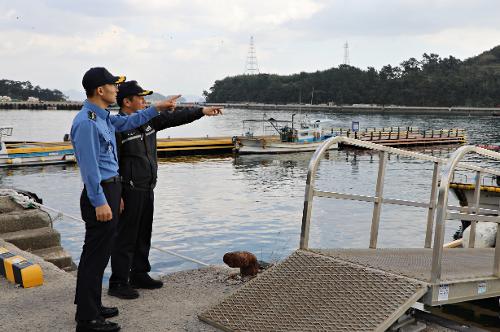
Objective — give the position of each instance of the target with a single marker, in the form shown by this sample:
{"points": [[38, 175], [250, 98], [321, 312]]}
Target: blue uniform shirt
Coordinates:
{"points": [[94, 143]]}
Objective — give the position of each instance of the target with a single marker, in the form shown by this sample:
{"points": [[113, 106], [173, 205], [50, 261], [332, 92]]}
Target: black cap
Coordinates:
{"points": [[98, 76], [131, 88]]}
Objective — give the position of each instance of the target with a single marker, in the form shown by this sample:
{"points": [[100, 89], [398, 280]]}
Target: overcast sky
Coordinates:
{"points": [[174, 46]]}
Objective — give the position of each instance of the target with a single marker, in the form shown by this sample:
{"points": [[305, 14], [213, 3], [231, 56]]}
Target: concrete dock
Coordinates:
{"points": [[172, 308], [31, 230]]}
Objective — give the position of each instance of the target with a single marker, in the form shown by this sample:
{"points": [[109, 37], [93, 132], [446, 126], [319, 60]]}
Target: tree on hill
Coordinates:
{"points": [[19, 90], [430, 81]]}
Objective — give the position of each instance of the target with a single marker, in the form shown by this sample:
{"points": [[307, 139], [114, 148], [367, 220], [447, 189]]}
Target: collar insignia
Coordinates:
{"points": [[92, 115]]}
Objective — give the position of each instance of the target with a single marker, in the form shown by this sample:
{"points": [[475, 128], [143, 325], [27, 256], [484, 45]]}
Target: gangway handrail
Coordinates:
{"points": [[438, 198], [472, 215]]}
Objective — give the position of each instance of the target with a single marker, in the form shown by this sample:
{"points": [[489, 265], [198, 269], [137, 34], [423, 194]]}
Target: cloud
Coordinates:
{"points": [[186, 45], [395, 17]]}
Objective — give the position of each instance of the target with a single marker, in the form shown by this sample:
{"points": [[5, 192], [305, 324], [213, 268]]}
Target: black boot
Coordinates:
{"points": [[106, 312], [96, 325], [143, 280], [123, 291]]}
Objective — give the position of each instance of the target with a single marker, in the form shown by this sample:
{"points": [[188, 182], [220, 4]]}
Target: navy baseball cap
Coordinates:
{"points": [[131, 88], [98, 76]]}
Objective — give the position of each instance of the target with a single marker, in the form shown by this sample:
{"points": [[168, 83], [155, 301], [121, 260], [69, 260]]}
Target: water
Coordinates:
{"points": [[206, 206]]}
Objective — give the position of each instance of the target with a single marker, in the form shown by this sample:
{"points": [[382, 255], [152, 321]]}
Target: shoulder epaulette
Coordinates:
{"points": [[92, 115]]}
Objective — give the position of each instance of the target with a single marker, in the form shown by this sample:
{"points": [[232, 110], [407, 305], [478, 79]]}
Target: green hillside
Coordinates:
{"points": [[22, 90], [430, 81]]}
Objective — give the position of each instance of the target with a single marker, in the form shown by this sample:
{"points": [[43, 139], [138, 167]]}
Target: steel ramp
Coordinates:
{"points": [[467, 273], [313, 292]]}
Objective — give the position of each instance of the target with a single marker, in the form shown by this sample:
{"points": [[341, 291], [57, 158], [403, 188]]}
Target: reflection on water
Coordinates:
{"points": [[206, 206]]}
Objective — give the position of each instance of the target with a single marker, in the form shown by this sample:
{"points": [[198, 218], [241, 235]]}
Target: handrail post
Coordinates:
{"points": [[496, 258], [475, 210], [309, 192], [377, 206], [432, 205], [442, 210]]}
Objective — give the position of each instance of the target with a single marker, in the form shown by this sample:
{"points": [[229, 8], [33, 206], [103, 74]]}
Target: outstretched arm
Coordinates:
{"points": [[182, 115], [124, 122]]}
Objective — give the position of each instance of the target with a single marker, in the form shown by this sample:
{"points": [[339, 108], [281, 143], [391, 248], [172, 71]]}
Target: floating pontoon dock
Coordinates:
{"points": [[24, 153], [369, 289]]}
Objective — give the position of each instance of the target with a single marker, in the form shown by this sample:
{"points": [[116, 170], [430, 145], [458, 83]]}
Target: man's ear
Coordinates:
{"points": [[100, 91]]}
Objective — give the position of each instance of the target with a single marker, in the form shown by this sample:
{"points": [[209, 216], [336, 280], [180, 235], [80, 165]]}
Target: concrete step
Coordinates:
{"points": [[8, 205], [33, 239], [25, 219], [57, 256]]}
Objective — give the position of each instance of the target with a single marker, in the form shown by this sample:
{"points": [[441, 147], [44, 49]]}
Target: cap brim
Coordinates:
{"points": [[145, 93], [120, 79]]}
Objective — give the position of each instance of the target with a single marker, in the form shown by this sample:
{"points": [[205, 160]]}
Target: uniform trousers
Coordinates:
{"points": [[99, 239], [130, 254]]}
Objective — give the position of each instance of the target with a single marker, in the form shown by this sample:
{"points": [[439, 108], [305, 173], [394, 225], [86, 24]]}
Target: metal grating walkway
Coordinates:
{"points": [[457, 264], [314, 292]]}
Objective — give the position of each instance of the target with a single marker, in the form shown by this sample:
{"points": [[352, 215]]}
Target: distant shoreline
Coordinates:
{"points": [[347, 109], [366, 109]]}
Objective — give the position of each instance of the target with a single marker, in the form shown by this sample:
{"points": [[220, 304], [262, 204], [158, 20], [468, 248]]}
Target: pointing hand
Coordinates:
{"points": [[168, 103], [212, 111]]}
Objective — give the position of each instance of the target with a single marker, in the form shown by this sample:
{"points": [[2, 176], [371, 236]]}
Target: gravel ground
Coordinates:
{"points": [[172, 308]]}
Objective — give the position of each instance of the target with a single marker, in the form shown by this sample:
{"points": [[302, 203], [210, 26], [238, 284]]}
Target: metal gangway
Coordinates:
{"points": [[369, 289]]}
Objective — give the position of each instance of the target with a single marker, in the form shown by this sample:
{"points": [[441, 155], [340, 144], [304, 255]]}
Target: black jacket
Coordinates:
{"points": [[137, 147]]}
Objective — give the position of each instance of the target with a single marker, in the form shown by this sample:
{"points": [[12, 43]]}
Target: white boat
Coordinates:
{"points": [[488, 199], [307, 137], [33, 153]]}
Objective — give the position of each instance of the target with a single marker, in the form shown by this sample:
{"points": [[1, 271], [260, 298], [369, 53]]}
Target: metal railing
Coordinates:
{"points": [[473, 213], [438, 197]]}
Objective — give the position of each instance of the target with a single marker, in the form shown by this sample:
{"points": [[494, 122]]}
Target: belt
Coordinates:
{"points": [[114, 179]]}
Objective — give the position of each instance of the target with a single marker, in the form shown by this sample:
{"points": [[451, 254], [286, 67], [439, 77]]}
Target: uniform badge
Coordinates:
{"points": [[92, 115]]}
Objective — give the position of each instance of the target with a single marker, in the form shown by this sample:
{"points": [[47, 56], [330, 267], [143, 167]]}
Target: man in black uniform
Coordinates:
{"points": [[138, 168]]}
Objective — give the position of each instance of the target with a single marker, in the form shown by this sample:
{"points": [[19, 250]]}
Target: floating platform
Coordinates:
{"points": [[369, 289], [352, 289], [200, 145], [21, 153], [400, 137]]}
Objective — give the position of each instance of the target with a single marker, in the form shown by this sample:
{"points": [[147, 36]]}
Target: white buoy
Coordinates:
{"points": [[486, 233]]}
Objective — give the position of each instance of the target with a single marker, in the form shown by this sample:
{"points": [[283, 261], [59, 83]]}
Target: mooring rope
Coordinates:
{"points": [[28, 202]]}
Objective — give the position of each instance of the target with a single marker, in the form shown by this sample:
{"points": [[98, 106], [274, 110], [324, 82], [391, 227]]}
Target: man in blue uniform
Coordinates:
{"points": [[93, 139], [138, 168]]}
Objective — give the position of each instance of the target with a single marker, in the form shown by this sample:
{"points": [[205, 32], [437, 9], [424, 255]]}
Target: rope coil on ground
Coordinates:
{"points": [[27, 202]]}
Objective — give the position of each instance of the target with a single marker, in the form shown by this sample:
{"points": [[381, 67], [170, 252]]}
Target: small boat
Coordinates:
{"points": [[33, 153], [308, 136], [492, 146], [489, 199]]}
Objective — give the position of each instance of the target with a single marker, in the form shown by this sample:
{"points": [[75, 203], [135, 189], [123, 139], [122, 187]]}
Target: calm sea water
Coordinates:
{"points": [[206, 206]]}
